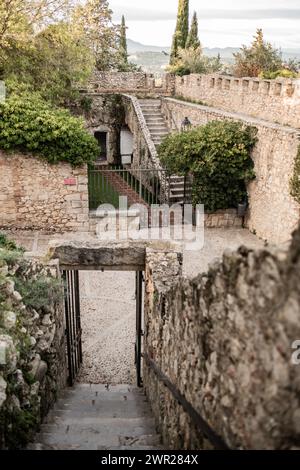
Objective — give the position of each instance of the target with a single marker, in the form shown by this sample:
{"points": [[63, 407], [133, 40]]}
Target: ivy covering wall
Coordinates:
{"points": [[295, 180]]}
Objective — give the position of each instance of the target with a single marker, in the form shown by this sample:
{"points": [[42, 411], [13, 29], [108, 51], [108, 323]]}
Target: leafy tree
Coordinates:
{"points": [[194, 61], [174, 51], [30, 124], [258, 58], [123, 42], [218, 157], [52, 62], [93, 20], [182, 29], [123, 64], [193, 38], [21, 17]]}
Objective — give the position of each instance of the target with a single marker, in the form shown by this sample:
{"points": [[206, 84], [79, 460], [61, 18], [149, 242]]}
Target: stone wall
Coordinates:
{"points": [[277, 100], [139, 83], [32, 346], [38, 196], [224, 339], [273, 213]]}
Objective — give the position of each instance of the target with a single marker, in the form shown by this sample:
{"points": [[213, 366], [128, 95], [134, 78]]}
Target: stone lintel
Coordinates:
{"points": [[112, 256]]}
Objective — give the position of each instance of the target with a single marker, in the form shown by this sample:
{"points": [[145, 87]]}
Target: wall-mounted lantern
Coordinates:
{"points": [[186, 125]]}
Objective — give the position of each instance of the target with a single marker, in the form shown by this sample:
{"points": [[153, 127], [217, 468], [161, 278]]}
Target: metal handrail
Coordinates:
{"points": [[199, 422]]}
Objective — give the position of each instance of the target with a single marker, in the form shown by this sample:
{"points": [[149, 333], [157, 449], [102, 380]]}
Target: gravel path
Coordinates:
{"points": [[108, 323]]}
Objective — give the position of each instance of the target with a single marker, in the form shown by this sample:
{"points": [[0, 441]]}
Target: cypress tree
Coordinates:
{"points": [[193, 39], [182, 29], [123, 42]]}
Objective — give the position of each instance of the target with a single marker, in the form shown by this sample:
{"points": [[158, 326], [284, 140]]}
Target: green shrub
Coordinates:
{"points": [[37, 293], [283, 73], [30, 124], [295, 180], [7, 243], [218, 157], [194, 61]]}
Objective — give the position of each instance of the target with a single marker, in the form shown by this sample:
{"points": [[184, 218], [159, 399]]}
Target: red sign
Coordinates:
{"points": [[70, 181]]}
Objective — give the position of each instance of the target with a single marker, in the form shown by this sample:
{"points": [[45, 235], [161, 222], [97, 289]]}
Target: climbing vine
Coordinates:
{"points": [[295, 180]]}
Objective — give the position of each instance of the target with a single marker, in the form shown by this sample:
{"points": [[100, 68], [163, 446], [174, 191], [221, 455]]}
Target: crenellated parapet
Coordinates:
{"points": [[277, 100]]}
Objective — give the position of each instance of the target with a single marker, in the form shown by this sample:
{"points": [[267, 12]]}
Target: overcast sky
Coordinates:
{"points": [[222, 23]]}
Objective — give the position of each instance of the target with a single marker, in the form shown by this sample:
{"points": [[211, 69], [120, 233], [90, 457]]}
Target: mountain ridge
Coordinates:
{"points": [[225, 52]]}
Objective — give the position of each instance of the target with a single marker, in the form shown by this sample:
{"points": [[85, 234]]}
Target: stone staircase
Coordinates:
{"points": [[99, 417], [155, 121], [158, 128]]}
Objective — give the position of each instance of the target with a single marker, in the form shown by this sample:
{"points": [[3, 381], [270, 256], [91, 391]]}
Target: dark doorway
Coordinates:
{"points": [[102, 141]]}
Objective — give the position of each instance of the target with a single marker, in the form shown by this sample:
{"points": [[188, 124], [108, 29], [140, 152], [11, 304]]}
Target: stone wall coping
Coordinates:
{"points": [[236, 116]]}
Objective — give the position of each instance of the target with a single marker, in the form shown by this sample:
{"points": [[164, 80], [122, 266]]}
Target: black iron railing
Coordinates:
{"points": [[196, 418]]}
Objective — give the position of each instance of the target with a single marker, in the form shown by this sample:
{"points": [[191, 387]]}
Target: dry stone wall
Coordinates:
{"points": [[224, 339], [277, 100], [38, 196], [273, 213], [32, 346]]}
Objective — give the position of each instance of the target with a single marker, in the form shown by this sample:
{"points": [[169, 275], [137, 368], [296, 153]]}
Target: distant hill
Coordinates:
{"points": [[134, 47], [225, 53]]}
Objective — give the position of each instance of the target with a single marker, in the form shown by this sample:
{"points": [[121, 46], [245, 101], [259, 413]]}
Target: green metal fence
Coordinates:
{"points": [[106, 185]]}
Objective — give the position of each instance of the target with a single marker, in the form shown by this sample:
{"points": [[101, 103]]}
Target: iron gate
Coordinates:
{"points": [[73, 324], [74, 330], [139, 327]]}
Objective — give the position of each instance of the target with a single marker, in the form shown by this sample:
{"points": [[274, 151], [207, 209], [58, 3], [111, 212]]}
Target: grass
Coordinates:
{"points": [[101, 191]]}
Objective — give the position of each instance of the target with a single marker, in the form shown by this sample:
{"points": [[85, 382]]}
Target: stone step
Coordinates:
{"points": [[105, 409], [153, 120], [162, 130], [154, 107], [159, 129], [99, 417], [95, 435], [180, 187], [149, 101], [90, 396], [153, 114], [106, 388]]}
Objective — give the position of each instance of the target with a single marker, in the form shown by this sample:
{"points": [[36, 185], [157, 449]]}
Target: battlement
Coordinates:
{"points": [[277, 100]]}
